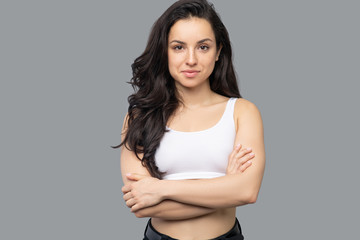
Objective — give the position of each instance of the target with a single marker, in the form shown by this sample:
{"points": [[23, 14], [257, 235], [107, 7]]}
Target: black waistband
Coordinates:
{"points": [[152, 234]]}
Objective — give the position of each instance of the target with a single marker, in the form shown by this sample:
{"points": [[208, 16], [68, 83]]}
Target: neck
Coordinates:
{"points": [[196, 97]]}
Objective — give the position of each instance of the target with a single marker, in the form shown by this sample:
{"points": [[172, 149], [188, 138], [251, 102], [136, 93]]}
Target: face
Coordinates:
{"points": [[192, 52]]}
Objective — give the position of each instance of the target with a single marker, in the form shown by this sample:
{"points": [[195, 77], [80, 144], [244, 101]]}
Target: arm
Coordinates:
{"points": [[239, 161], [228, 191], [170, 210]]}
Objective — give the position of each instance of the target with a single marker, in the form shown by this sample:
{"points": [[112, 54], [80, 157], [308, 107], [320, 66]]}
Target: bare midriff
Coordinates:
{"points": [[204, 227]]}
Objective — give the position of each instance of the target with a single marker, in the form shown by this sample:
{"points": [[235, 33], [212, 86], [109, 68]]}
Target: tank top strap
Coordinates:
{"points": [[229, 111]]}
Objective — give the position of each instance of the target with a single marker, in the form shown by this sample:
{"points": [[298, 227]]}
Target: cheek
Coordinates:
{"points": [[173, 62], [173, 58], [209, 62], [172, 65]]}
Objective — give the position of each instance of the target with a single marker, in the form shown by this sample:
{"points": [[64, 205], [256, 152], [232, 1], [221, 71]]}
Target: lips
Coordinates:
{"points": [[190, 73]]}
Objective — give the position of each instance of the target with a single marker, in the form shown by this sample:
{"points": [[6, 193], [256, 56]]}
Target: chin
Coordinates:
{"points": [[186, 82], [189, 84]]}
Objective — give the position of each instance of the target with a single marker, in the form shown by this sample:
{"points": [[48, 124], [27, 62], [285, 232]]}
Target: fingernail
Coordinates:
{"points": [[249, 149], [252, 154], [250, 161], [128, 174]]}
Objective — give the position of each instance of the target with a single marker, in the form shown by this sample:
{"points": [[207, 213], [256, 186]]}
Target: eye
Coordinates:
{"points": [[204, 47], [178, 47]]}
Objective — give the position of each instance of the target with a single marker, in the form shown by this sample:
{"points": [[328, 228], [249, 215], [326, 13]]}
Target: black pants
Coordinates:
{"points": [[233, 234]]}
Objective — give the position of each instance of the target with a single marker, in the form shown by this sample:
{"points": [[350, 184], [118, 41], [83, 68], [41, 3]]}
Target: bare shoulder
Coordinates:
{"points": [[245, 107], [247, 113], [125, 122]]}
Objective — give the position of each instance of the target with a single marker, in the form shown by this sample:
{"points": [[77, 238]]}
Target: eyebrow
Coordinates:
{"points": [[201, 41]]}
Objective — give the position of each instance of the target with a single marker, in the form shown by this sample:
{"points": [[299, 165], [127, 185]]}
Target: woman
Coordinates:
{"points": [[186, 159]]}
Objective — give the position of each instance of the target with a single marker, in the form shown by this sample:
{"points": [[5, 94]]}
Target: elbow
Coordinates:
{"points": [[141, 214], [248, 198], [138, 214], [252, 198], [146, 213]]}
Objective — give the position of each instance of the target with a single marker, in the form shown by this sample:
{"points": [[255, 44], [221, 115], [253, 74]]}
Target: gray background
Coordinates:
{"points": [[63, 97]]}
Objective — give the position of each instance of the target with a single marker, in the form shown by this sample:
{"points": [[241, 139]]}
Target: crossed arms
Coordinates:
{"points": [[184, 199]]}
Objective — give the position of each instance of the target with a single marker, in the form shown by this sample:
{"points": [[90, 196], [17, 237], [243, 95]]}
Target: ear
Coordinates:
{"points": [[218, 53]]}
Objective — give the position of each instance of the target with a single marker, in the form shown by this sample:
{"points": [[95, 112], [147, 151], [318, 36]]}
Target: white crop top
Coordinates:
{"points": [[201, 154]]}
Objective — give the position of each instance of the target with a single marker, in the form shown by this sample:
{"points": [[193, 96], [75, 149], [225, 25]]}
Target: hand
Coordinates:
{"points": [[142, 193], [239, 159]]}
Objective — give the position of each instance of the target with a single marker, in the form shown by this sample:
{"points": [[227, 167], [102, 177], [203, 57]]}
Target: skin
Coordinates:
{"points": [[204, 208], [192, 48]]}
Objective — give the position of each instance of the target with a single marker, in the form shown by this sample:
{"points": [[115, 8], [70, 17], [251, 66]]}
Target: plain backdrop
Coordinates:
{"points": [[63, 95]]}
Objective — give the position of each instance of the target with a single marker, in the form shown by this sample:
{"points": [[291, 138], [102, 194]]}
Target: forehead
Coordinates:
{"points": [[191, 29]]}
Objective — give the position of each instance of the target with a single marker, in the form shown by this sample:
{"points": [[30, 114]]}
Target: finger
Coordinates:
{"points": [[235, 151], [243, 152], [125, 189], [231, 158], [135, 176], [237, 147], [243, 160], [130, 203], [246, 158], [127, 196], [245, 166], [136, 207]]}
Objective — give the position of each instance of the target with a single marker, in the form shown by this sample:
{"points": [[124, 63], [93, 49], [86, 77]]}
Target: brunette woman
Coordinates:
{"points": [[192, 148]]}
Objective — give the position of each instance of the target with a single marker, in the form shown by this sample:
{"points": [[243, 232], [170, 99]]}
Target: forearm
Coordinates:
{"points": [[228, 191], [172, 210], [234, 189]]}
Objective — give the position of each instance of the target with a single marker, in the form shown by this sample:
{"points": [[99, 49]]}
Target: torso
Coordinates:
{"points": [[219, 222], [200, 228], [199, 119], [202, 153]]}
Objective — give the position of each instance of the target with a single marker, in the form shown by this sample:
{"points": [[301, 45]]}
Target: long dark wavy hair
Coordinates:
{"points": [[155, 98]]}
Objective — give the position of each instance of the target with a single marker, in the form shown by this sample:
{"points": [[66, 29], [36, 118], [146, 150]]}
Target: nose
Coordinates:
{"points": [[191, 58]]}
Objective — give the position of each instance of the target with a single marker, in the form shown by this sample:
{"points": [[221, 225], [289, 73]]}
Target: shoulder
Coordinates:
{"points": [[244, 106], [246, 112], [125, 122]]}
